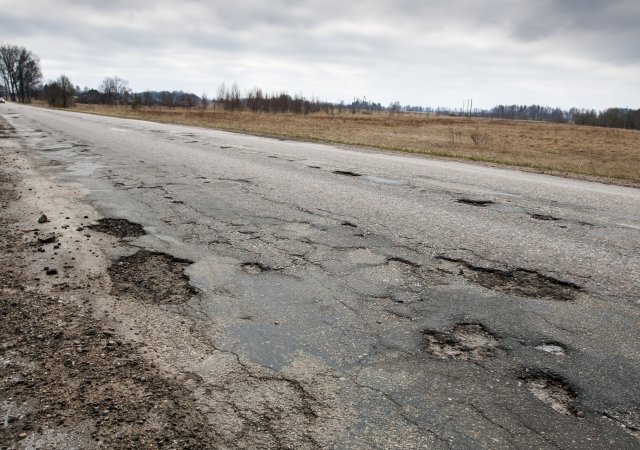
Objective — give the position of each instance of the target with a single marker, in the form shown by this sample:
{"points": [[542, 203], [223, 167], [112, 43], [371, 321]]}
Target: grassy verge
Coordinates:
{"points": [[609, 154]]}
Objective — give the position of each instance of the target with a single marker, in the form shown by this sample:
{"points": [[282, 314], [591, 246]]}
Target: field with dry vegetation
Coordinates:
{"points": [[558, 148]]}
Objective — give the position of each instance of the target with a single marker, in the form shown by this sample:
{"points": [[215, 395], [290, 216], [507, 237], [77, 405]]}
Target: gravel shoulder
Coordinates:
{"points": [[68, 377]]}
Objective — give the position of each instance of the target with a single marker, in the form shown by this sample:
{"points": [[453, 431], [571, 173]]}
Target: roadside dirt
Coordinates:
{"points": [[67, 379]]}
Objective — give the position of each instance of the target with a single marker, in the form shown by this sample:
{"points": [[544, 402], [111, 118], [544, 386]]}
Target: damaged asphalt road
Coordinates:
{"points": [[307, 296]]}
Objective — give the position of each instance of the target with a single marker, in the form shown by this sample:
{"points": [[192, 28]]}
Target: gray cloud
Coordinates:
{"points": [[557, 52]]}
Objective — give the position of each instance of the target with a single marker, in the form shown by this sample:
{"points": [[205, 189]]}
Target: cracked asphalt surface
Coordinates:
{"points": [[341, 298]]}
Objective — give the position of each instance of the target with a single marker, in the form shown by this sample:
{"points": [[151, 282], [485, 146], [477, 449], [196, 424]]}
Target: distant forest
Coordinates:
{"points": [[256, 100], [21, 81]]}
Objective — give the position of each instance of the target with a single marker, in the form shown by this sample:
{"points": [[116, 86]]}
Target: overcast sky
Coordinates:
{"points": [[583, 53]]}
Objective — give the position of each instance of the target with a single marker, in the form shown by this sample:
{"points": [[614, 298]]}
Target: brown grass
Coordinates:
{"points": [[612, 154]]}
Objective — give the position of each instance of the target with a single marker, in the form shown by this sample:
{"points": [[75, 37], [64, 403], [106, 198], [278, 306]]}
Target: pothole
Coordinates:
{"points": [[415, 275], [466, 341], [520, 282], [152, 277], [6, 132], [255, 268], [543, 217], [553, 391], [347, 173], [475, 202], [403, 261], [552, 348], [120, 228]]}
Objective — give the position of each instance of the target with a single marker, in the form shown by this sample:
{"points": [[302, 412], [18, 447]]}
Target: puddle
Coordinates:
{"points": [[382, 180], [120, 228], [151, 277], [475, 202], [83, 168], [466, 341], [553, 391], [520, 282]]}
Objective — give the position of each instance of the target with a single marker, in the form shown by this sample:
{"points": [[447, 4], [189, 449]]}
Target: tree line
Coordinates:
{"points": [[21, 76], [610, 118]]}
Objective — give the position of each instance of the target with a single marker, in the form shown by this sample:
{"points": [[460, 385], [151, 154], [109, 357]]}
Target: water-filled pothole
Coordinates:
{"points": [[120, 228], [466, 341], [151, 277]]}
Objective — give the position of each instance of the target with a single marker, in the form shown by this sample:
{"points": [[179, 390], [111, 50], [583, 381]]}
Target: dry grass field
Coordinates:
{"points": [[611, 154]]}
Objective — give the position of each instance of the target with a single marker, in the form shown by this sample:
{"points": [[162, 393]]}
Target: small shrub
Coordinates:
{"points": [[479, 138]]}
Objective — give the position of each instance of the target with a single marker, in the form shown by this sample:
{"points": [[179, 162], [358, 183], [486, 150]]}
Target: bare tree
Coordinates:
{"points": [[108, 90], [188, 100], [222, 93], [51, 93], [8, 67], [115, 90], [59, 93], [204, 101], [147, 98], [20, 72], [29, 75], [66, 91]]}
